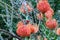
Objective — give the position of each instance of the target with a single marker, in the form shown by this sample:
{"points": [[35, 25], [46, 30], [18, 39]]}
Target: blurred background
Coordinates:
{"points": [[10, 15]]}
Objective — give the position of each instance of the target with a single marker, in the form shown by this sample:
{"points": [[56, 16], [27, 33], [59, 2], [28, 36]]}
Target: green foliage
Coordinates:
{"points": [[9, 11]]}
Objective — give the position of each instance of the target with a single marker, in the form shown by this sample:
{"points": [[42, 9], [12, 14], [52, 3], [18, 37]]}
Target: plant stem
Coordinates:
{"points": [[15, 36]]}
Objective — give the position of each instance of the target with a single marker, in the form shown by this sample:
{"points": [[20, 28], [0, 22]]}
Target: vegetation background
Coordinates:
{"points": [[9, 17]]}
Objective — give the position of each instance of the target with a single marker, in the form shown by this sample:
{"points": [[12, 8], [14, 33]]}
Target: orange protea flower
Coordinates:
{"points": [[49, 13], [51, 10], [29, 8], [51, 23], [20, 24], [23, 10], [40, 16], [43, 6], [34, 28], [23, 31], [58, 31]]}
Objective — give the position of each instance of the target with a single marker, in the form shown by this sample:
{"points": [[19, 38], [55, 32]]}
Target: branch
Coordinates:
{"points": [[6, 4], [15, 36], [8, 16]]}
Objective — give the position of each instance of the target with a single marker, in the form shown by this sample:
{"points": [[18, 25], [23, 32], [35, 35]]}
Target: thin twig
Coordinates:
{"points": [[15, 36], [8, 16], [5, 3]]}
